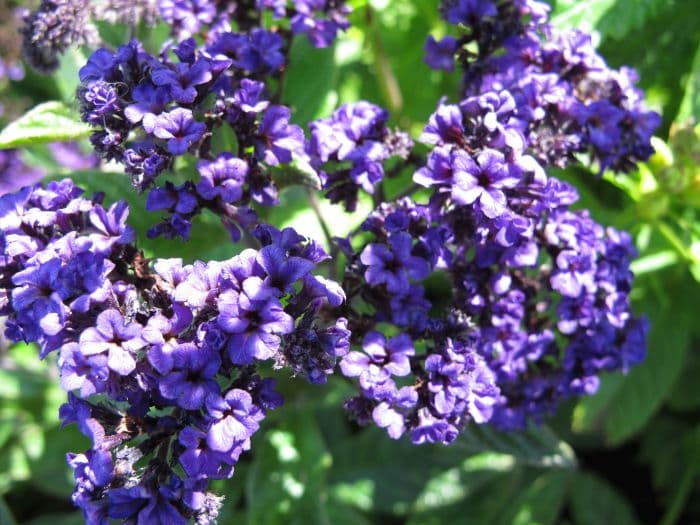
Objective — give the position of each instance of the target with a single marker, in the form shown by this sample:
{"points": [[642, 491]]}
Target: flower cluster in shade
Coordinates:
{"points": [[56, 25], [159, 360], [567, 100]]}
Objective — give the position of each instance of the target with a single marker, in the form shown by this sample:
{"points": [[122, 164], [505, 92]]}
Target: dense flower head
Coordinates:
{"points": [[148, 110], [486, 299], [162, 338], [57, 25], [568, 100]]}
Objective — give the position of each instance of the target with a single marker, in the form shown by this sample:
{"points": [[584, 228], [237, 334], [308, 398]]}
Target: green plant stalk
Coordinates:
{"points": [[681, 495], [383, 71]]}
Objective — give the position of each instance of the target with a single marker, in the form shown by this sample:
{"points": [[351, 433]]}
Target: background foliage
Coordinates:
{"points": [[629, 455]]}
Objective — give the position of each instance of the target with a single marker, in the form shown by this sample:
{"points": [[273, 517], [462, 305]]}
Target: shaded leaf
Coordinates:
{"points": [[595, 501], [6, 517], [647, 385]]}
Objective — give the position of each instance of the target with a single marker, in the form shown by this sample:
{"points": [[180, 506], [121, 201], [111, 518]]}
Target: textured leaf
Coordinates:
{"points": [[537, 446], [295, 174], [625, 16], [690, 105], [594, 501], [48, 122]]}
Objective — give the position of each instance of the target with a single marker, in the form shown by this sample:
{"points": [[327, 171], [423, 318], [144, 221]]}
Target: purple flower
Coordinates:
{"points": [[390, 356], [115, 336], [149, 101], [200, 461], [277, 138], [445, 126], [182, 82], [440, 54], [393, 265], [236, 419], [483, 181], [222, 177], [255, 319], [180, 129], [191, 378], [261, 52]]}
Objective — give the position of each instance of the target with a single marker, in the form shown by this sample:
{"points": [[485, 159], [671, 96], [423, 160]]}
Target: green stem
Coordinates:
{"points": [[681, 495], [674, 240], [316, 207], [382, 66]]}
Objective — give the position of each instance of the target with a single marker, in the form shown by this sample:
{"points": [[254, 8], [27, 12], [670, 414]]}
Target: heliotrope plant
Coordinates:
{"points": [[164, 362]]}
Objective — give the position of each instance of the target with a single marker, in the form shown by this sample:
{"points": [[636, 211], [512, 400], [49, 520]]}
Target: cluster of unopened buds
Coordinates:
{"points": [[161, 358]]}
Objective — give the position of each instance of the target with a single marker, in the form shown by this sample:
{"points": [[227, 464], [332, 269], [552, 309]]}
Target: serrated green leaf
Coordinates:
{"points": [[594, 501], [48, 122]]}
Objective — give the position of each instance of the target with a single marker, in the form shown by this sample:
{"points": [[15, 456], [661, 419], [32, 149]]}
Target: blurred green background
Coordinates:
{"points": [[629, 455]]}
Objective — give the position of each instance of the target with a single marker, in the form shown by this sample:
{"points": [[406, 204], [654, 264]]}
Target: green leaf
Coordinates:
{"points": [[298, 173], [594, 501], [488, 495], [625, 16], [67, 77], [648, 384], [540, 502], [309, 84], [570, 14], [286, 481], [537, 446], [690, 105], [6, 517], [72, 518], [48, 122]]}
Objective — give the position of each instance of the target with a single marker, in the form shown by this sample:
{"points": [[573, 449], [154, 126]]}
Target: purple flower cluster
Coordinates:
{"points": [[159, 360], [58, 24], [540, 294], [148, 111], [567, 100], [489, 301], [319, 20], [356, 135]]}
